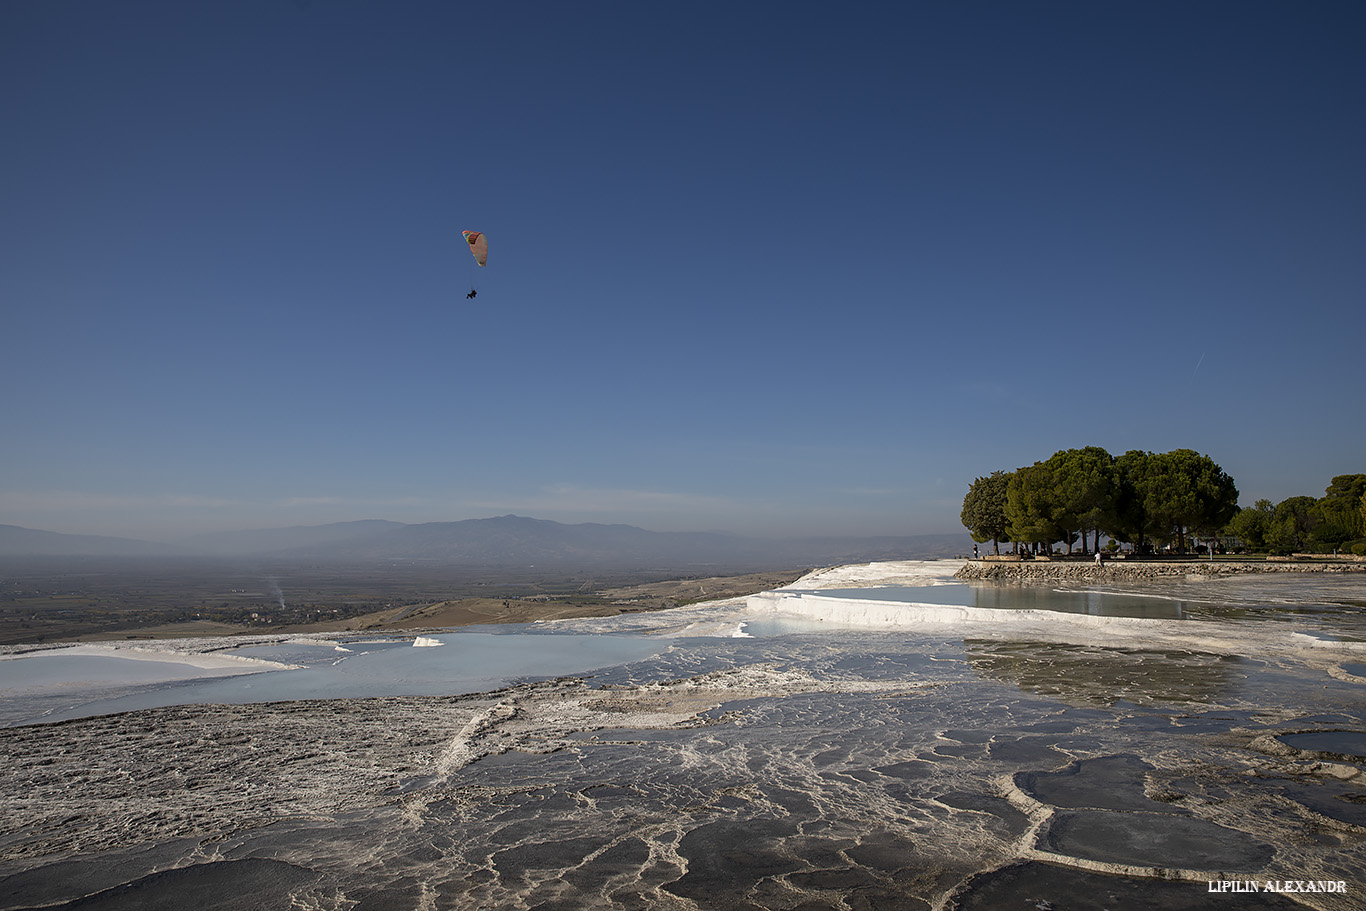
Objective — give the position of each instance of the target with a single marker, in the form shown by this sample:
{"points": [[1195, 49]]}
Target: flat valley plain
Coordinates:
{"points": [[65, 599]]}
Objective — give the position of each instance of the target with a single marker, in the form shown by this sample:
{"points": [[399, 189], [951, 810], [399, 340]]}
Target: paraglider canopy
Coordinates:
{"points": [[479, 246]]}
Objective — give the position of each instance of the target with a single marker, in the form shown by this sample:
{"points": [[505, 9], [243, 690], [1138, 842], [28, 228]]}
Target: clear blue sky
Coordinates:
{"points": [[754, 267]]}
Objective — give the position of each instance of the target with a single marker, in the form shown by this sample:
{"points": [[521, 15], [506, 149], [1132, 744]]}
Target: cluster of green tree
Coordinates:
{"points": [[1142, 498], [1335, 522]]}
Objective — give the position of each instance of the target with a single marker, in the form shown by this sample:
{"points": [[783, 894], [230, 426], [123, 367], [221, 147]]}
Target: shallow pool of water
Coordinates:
{"points": [[1347, 743], [1019, 597], [465, 662]]}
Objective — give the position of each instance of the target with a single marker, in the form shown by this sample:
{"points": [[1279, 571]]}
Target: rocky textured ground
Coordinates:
{"points": [[841, 770]]}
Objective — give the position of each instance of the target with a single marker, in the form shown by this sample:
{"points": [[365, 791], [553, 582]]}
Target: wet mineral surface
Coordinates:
{"points": [[843, 769]]}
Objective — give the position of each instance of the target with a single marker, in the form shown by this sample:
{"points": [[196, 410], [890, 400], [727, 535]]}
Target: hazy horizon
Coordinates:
{"points": [[192, 536], [766, 270]]}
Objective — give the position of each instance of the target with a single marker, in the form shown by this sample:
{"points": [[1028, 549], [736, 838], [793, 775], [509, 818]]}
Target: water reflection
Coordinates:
{"points": [[1339, 743], [1096, 603], [1019, 597], [465, 663]]}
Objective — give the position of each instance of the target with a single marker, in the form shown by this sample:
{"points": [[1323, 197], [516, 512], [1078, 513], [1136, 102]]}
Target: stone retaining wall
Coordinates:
{"points": [[1122, 570]]}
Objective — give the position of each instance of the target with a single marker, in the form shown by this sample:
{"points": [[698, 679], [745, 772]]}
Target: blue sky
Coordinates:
{"points": [[754, 267]]}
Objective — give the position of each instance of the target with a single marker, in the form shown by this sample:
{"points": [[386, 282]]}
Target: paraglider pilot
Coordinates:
{"points": [[479, 246]]}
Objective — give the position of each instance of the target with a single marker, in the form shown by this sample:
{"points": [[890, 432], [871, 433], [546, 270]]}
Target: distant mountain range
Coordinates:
{"points": [[502, 541], [30, 542]]}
